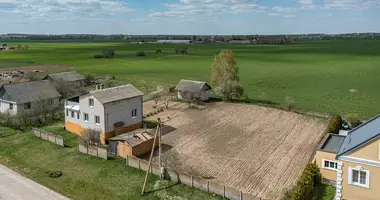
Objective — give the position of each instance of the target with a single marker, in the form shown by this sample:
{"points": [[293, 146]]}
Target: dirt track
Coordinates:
{"points": [[37, 67], [256, 150]]}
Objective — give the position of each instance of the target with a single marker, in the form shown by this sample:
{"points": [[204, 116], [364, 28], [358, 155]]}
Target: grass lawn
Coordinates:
{"points": [[324, 77], [84, 177]]}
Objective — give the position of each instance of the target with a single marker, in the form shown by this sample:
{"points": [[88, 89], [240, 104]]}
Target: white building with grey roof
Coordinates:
{"points": [[27, 96], [112, 111]]}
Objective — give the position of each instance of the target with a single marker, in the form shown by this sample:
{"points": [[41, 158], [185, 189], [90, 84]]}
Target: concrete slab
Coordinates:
{"points": [[13, 186]]}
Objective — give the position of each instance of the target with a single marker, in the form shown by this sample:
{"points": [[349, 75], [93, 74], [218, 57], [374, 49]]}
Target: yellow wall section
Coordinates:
{"points": [[352, 192], [369, 151], [326, 173], [74, 128]]}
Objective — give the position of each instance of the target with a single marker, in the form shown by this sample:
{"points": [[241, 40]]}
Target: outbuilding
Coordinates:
{"points": [[136, 143], [190, 90]]}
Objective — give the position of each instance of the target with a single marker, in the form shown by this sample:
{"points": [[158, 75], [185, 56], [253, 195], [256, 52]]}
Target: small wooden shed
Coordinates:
{"points": [[136, 143]]}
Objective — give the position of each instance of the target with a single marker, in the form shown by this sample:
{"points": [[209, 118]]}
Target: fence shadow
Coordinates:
{"points": [[172, 184]]}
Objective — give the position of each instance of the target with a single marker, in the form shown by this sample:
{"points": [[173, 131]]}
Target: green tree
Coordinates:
{"points": [[225, 76]]}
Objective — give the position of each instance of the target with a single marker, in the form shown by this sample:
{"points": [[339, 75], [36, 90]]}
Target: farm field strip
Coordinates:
{"points": [[254, 149]]}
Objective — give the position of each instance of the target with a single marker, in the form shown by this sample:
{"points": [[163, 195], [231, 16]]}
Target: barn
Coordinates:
{"points": [[189, 90], [136, 143]]}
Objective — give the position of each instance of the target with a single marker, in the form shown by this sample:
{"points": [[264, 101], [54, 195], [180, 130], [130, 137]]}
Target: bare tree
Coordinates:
{"points": [[166, 98], [91, 136], [290, 103], [67, 89]]}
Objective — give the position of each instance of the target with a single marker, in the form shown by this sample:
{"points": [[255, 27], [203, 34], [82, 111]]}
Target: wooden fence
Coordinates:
{"points": [[191, 181], [56, 139], [93, 150]]}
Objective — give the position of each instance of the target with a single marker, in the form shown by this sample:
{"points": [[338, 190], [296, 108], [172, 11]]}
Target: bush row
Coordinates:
{"points": [[304, 190], [334, 125]]}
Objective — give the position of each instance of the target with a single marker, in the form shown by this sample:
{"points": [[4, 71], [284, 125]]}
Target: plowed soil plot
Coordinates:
{"points": [[257, 150]]}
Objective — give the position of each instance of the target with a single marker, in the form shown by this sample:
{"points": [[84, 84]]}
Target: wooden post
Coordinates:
{"points": [[150, 161], [208, 186], [126, 161], [224, 191], [241, 195], [192, 180], [159, 149], [139, 163]]}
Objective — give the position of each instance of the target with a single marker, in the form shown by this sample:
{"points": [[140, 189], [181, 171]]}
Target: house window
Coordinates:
{"points": [[327, 164], [358, 177], [91, 102], [97, 120], [27, 106], [72, 114], [10, 106], [85, 116], [78, 115], [134, 112]]}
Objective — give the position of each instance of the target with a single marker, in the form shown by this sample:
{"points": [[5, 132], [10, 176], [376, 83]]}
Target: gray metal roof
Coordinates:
{"points": [[133, 138], [361, 135], [66, 76], [31, 91], [116, 93], [192, 86], [331, 143]]}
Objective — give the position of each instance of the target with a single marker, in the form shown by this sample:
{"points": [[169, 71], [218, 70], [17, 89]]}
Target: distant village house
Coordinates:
{"points": [[71, 78], [190, 90]]}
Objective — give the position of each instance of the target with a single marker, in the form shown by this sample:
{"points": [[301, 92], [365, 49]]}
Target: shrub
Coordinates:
{"points": [[353, 119], [108, 53], [158, 51], [99, 56], [310, 179], [335, 124], [181, 49], [140, 53]]}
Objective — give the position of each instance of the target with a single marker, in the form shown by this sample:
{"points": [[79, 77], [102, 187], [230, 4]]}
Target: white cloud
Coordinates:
{"points": [[274, 14], [351, 4], [54, 9]]}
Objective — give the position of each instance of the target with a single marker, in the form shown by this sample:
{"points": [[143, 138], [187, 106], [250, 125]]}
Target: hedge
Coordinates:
{"points": [[310, 179], [334, 125]]}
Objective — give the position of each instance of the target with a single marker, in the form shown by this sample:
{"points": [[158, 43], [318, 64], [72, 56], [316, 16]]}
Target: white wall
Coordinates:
{"points": [[4, 106], [122, 111], [74, 119], [204, 95], [97, 110]]}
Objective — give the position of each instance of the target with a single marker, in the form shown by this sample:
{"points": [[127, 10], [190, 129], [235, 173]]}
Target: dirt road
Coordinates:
{"points": [[13, 186]]}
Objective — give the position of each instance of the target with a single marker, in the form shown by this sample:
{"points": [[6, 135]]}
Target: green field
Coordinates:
{"points": [[323, 77], [85, 177]]}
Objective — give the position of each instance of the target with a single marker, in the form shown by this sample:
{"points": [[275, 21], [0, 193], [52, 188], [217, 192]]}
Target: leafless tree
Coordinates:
{"points": [[166, 98], [67, 89], [91, 136]]}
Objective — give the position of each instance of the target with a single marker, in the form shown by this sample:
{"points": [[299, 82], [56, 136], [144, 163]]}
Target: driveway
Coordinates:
{"points": [[13, 186]]}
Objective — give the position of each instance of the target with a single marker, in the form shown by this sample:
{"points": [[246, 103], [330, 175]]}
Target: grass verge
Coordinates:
{"points": [[84, 177]]}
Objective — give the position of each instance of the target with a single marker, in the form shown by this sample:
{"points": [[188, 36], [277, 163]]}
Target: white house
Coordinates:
{"points": [[111, 111], [190, 90], [27, 95]]}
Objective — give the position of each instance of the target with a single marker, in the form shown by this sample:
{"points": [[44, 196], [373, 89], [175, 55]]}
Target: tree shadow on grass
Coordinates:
{"points": [[162, 187]]}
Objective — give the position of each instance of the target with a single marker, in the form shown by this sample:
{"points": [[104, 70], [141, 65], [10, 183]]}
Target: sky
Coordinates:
{"points": [[188, 17]]}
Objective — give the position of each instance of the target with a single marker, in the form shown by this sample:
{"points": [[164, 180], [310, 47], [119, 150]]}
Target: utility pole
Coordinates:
{"points": [[160, 151], [151, 154]]}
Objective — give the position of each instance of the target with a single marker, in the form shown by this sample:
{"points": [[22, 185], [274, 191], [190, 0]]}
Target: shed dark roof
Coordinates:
{"points": [[133, 138], [361, 135], [192, 86], [331, 143], [66, 76], [116, 93], [31, 91]]}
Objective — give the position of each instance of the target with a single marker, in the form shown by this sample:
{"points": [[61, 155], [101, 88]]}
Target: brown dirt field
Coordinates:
{"points": [[257, 150], [38, 67]]}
